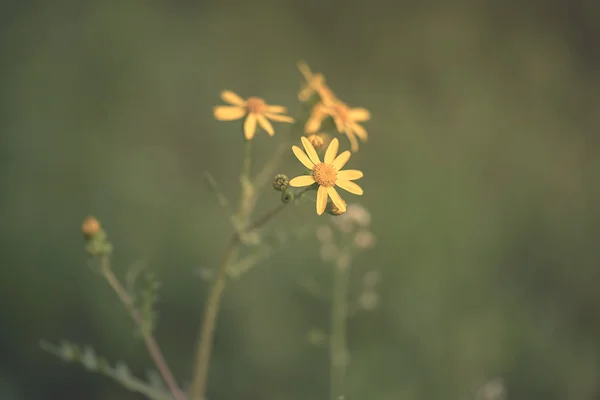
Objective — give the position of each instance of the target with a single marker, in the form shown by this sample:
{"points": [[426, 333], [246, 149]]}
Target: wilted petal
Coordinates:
{"points": [[331, 151], [232, 98], [337, 200], [359, 114], [360, 131], [250, 126], [341, 160], [349, 186], [301, 181], [265, 124], [353, 141], [350, 174], [302, 157], [310, 151], [228, 113], [321, 199]]}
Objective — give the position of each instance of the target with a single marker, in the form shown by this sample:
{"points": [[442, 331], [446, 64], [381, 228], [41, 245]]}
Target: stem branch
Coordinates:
{"points": [[209, 319], [151, 344]]}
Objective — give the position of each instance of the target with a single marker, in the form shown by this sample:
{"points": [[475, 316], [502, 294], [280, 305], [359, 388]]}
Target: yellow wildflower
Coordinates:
{"points": [[254, 108], [327, 174], [345, 118], [315, 84]]}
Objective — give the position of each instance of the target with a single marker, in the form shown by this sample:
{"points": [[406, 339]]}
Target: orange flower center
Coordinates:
{"points": [[256, 105], [324, 175]]}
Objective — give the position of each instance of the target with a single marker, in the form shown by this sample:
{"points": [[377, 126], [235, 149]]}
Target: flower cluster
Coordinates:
{"points": [[328, 105], [324, 105]]}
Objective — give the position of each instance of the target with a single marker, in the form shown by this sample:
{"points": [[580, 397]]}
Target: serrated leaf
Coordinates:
{"points": [[89, 359], [122, 371]]}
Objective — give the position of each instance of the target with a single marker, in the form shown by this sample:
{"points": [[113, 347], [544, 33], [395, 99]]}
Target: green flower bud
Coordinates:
{"points": [[287, 197], [281, 182]]}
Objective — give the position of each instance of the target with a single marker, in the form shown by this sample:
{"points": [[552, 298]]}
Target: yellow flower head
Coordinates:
{"points": [[345, 118], [254, 108], [315, 84], [327, 174]]}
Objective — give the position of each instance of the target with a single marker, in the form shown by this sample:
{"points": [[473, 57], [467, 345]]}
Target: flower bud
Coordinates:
{"points": [[287, 197], [334, 210], [316, 140], [281, 182], [90, 227]]}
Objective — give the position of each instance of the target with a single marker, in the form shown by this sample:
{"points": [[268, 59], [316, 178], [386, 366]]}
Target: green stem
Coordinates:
{"points": [[246, 203], [151, 344], [338, 361], [207, 329]]}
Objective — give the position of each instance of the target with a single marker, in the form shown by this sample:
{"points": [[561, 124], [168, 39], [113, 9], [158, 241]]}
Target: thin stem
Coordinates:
{"points": [[207, 329], [338, 361], [151, 344], [245, 206], [209, 319]]}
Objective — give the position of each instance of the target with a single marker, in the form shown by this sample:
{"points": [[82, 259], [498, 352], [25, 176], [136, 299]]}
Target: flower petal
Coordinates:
{"points": [[250, 126], [349, 186], [317, 115], [275, 109], [337, 200], [321, 199], [349, 174], [332, 151], [228, 113], [302, 157], [280, 118], [341, 160], [229, 97], [301, 181], [359, 114], [305, 93], [310, 151], [265, 124], [305, 70], [353, 141], [360, 131]]}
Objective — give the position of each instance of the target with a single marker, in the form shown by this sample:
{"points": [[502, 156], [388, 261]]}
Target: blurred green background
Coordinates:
{"points": [[481, 176]]}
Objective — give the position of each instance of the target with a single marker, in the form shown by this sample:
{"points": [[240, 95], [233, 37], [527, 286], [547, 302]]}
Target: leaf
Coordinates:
{"points": [[121, 373]]}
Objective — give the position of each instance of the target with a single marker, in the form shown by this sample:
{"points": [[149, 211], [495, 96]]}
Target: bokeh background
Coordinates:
{"points": [[481, 176]]}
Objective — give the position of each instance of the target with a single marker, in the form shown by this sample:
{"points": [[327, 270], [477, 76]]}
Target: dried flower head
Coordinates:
{"points": [[327, 174], [317, 141], [345, 118], [315, 84], [90, 227], [335, 210], [256, 111]]}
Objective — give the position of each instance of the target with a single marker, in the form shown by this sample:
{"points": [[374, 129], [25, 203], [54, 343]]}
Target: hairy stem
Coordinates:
{"points": [[151, 344], [338, 352]]}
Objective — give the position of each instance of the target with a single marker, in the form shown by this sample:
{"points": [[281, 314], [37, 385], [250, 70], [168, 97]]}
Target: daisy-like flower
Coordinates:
{"points": [[254, 108], [327, 174], [315, 84], [346, 120]]}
